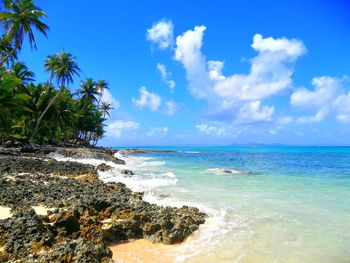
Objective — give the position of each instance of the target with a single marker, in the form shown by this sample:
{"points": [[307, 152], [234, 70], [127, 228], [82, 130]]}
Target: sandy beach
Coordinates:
{"points": [[142, 250]]}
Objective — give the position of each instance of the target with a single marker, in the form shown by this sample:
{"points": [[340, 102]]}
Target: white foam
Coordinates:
{"points": [[209, 235], [221, 171], [147, 179], [189, 152], [137, 182]]}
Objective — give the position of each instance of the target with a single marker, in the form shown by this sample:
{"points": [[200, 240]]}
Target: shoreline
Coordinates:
{"points": [[72, 207]]}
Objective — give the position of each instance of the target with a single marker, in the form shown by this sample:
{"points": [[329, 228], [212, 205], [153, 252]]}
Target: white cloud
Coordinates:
{"points": [[238, 98], [166, 76], [343, 118], [329, 96], [285, 120], [270, 72], [211, 129], [253, 112], [188, 52], [147, 99], [326, 89], [318, 117], [170, 107], [215, 67], [292, 47], [161, 33], [116, 128], [158, 132], [108, 97]]}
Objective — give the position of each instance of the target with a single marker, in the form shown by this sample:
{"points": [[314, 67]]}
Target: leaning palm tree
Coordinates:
{"points": [[62, 66], [106, 107], [6, 48], [19, 19], [102, 85], [89, 91]]}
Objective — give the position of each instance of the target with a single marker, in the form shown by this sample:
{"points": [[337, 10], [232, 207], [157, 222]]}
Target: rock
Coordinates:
{"points": [[28, 148], [66, 223], [118, 161], [126, 172], [103, 167], [80, 250], [86, 214], [23, 232], [9, 144]]}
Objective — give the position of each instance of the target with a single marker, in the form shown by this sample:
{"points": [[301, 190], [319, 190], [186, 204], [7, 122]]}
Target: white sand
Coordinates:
{"points": [[42, 210], [5, 212]]}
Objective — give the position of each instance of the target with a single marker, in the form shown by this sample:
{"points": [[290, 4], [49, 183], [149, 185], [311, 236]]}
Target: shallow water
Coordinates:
{"points": [[279, 204], [265, 204]]}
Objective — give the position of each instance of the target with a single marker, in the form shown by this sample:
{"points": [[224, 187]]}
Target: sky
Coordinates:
{"points": [[209, 72]]}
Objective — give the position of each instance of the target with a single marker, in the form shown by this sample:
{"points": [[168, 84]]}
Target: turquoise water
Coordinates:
{"points": [[279, 204]]}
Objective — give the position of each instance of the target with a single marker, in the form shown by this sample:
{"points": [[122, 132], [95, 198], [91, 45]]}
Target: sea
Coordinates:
{"points": [[264, 204]]}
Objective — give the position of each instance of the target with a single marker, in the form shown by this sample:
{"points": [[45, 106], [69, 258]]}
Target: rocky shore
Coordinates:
{"points": [[62, 212]]}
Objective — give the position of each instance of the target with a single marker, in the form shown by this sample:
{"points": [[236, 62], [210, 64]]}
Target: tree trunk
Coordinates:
{"points": [[43, 114], [4, 59]]}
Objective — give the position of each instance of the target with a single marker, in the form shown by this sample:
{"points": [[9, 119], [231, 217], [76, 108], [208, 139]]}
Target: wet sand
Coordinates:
{"points": [[144, 251]]}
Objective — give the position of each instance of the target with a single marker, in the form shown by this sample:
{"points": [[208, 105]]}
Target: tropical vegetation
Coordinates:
{"points": [[48, 112]]}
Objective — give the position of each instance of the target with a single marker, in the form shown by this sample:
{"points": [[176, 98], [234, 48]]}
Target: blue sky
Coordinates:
{"points": [[210, 72]]}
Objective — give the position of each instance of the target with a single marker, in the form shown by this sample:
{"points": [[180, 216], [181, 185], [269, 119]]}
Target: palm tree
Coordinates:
{"points": [[10, 102], [62, 66], [19, 20], [106, 108], [89, 91], [22, 72], [102, 85], [6, 49]]}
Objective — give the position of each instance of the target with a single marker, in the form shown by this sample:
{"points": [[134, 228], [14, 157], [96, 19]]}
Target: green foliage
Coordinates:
{"points": [[31, 111], [19, 20]]}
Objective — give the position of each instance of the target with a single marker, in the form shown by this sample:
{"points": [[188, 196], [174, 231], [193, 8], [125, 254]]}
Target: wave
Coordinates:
{"points": [[150, 179], [209, 235], [223, 171], [141, 181]]}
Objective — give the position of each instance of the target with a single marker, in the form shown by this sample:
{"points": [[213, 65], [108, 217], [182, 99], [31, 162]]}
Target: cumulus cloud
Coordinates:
{"points": [[158, 132], [188, 52], [116, 128], [270, 72], [161, 34], [239, 98], [326, 89], [170, 107], [108, 97], [211, 129], [328, 96], [215, 67], [252, 112], [147, 99], [166, 76]]}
